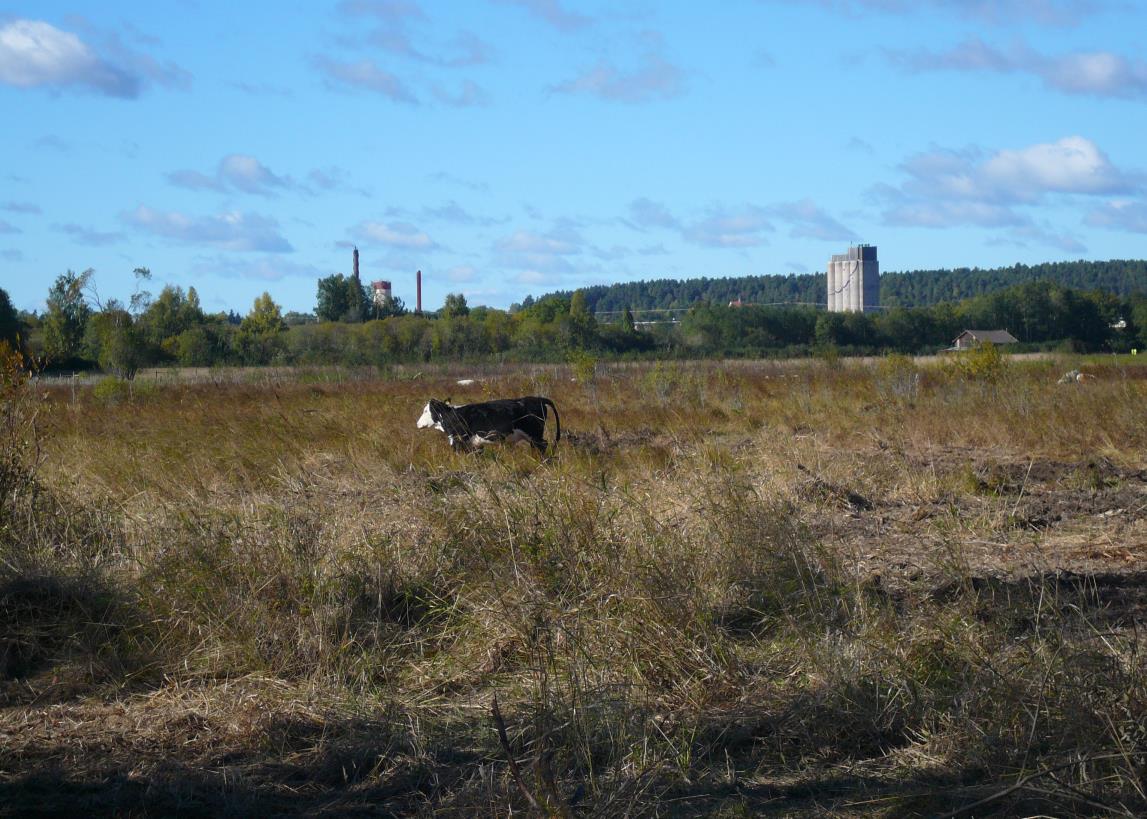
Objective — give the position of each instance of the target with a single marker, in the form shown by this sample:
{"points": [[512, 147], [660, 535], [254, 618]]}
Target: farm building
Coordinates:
{"points": [[974, 338]]}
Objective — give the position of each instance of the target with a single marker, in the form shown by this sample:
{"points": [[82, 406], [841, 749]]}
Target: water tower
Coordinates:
{"points": [[380, 293]]}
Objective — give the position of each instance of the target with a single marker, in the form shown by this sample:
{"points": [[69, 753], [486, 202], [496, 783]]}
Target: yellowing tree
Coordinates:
{"points": [[259, 337]]}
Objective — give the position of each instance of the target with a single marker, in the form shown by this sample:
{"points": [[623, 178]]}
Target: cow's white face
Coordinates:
{"points": [[427, 421]]}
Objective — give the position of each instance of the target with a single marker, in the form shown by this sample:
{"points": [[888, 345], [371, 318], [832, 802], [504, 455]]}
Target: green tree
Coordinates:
{"points": [[115, 336], [342, 298], [581, 326], [455, 306], [168, 317], [9, 323], [392, 307], [260, 334], [67, 317], [201, 345], [333, 298], [114, 340], [1137, 323], [829, 331], [358, 300]]}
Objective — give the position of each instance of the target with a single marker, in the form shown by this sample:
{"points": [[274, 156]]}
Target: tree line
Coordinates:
{"points": [[916, 288], [79, 330]]}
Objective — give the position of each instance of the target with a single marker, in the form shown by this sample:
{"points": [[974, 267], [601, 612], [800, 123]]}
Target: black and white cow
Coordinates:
{"points": [[472, 426]]}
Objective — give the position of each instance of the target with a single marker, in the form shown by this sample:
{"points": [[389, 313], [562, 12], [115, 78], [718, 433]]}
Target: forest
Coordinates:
{"points": [[77, 331], [916, 288]]}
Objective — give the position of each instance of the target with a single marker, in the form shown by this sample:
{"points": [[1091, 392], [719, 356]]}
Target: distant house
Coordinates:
{"points": [[974, 338]]}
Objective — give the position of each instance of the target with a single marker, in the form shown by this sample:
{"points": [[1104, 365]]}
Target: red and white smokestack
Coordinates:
{"points": [[356, 262], [418, 278]]}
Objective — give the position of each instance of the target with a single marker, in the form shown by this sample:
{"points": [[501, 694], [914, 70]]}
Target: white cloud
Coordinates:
{"points": [[554, 14], [645, 213], [36, 54], [529, 242], [946, 187], [451, 179], [654, 78], [52, 142], [21, 207], [246, 174], [1049, 237], [461, 273], [532, 277], [722, 227], [992, 12], [1120, 214], [365, 75], [540, 256], [1069, 165], [394, 21], [194, 180], [1092, 73], [454, 213], [250, 175], [233, 231], [401, 235], [89, 236], [266, 268], [470, 95], [334, 179], [809, 221], [940, 213], [1001, 190]]}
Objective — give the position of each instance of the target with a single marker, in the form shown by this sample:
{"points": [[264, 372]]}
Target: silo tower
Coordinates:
{"points": [[854, 280]]}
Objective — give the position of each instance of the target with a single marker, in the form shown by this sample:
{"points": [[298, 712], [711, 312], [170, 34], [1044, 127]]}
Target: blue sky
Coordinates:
{"points": [[507, 147]]}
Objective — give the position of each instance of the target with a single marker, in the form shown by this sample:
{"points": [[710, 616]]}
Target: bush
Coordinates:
{"points": [[984, 363], [112, 390]]}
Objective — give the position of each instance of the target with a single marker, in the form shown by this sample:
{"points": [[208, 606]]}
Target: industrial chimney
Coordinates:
{"points": [[356, 263], [418, 278]]}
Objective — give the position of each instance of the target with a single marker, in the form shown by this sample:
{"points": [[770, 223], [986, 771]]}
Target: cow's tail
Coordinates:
{"points": [[557, 420]]}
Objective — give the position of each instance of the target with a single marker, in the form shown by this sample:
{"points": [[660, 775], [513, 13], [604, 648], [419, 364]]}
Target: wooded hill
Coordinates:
{"points": [[915, 288]]}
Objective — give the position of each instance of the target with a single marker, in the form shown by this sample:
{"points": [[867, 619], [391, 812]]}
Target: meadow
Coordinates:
{"points": [[854, 588]]}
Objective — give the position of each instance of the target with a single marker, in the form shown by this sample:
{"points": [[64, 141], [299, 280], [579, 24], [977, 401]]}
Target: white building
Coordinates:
{"points": [[854, 280]]}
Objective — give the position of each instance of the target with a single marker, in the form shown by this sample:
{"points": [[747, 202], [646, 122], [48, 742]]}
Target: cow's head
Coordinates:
{"points": [[432, 415]]}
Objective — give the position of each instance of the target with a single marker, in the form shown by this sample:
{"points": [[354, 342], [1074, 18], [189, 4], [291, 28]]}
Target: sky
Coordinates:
{"points": [[514, 147]]}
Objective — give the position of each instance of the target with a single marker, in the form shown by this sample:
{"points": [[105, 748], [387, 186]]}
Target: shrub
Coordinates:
{"points": [[983, 363], [112, 390]]}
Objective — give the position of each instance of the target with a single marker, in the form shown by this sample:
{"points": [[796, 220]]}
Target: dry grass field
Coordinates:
{"points": [[825, 588]]}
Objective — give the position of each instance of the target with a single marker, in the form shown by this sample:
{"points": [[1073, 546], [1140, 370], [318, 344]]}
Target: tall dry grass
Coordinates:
{"points": [[732, 590]]}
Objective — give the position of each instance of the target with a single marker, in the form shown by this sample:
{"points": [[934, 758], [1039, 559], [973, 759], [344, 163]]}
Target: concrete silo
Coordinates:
{"points": [[854, 280]]}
